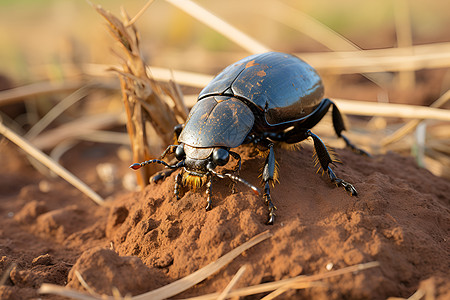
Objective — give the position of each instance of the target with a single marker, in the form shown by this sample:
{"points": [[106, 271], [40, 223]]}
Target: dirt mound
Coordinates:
{"points": [[400, 218]]}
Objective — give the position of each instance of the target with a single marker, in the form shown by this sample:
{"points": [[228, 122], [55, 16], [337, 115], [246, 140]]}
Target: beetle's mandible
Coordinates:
{"points": [[264, 99]]}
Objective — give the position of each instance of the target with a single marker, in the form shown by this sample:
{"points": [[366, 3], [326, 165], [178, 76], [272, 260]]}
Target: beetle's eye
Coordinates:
{"points": [[220, 156], [179, 152]]}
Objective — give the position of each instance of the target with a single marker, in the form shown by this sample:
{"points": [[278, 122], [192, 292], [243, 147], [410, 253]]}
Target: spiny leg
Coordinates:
{"points": [[208, 194], [268, 176], [324, 158], [178, 184]]}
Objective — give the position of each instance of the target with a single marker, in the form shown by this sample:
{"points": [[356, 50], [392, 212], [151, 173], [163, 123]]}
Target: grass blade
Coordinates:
{"points": [[50, 163]]}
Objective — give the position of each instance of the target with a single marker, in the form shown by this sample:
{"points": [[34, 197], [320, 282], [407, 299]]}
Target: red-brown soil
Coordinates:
{"points": [[401, 218]]}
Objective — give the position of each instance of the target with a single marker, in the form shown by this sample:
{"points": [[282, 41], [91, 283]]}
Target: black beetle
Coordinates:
{"points": [[265, 99]]}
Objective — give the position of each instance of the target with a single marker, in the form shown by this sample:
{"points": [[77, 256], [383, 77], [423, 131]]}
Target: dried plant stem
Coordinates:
{"points": [[50, 163], [139, 14], [173, 288], [79, 127], [85, 285], [145, 100], [47, 288], [296, 19], [59, 108], [404, 38], [232, 283], [363, 108], [381, 60], [411, 125], [271, 286], [392, 110], [185, 283], [7, 271], [37, 89], [297, 286], [219, 25]]}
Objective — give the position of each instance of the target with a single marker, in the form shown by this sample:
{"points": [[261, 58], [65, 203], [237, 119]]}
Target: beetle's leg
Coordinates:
{"points": [[325, 159], [339, 126], [235, 170], [178, 184], [208, 194], [164, 173], [169, 150], [268, 176]]}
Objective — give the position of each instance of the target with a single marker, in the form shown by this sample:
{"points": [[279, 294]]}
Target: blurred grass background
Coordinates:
{"points": [[56, 41], [36, 34]]}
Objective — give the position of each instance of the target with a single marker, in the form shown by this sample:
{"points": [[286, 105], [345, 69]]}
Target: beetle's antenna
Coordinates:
{"points": [[236, 178], [137, 166]]}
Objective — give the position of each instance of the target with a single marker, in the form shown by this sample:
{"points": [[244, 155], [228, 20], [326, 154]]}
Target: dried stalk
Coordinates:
{"points": [[185, 283], [74, 129], [404, 39], [173, 288], [411, 125], [37, 89], [143, 97], [295, 282], [219, 25], [50, 163], [232, 283]]}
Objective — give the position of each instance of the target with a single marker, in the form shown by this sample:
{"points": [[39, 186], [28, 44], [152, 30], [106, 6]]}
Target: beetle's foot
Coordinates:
{"points": [[208, 206], [347, 186], [272, 214], [339, 182], [271, 207]]}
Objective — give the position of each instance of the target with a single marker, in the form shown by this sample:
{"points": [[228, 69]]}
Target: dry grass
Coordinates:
{"points": [[50, 163], [276, 288], [145, 100], [152, 109]]}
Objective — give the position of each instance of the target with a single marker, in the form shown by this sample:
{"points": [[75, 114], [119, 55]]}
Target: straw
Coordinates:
{"points": [[50, 163], [219, 25], [232, 283], [404, 38], [173, 288]]}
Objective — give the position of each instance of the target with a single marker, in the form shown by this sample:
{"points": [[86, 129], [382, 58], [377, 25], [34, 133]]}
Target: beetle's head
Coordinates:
{"points": [[198, 161]]}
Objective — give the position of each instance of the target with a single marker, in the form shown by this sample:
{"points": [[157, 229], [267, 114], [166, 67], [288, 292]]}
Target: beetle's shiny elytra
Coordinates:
{"points": [[265, 99]]}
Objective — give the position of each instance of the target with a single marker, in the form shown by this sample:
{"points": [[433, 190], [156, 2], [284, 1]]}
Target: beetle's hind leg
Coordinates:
{"points": [[269, 175], [324, 158], [339, 126]]}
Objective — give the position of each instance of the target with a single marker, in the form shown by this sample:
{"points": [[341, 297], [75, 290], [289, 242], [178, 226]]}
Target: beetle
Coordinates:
{"points": [[265, 99]]}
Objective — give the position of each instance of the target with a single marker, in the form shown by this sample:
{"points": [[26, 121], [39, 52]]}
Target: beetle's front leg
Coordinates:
{"points": [[178, 184], [167, 172], [268, 175], [324, 158]]}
